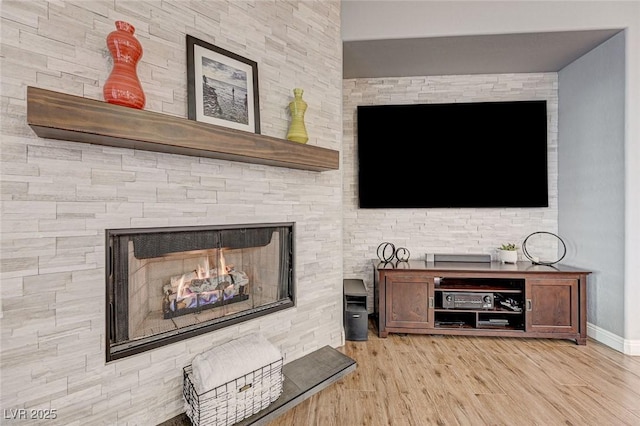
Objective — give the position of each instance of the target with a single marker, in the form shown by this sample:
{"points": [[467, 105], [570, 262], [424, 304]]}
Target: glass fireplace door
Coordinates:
{"points": [[167, 284]]}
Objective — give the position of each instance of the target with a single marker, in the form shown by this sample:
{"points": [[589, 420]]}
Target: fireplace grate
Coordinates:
{"points": [[168, 313]]}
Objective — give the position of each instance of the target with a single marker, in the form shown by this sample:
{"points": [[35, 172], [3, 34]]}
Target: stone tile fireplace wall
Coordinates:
{"points": [[58, 197]]}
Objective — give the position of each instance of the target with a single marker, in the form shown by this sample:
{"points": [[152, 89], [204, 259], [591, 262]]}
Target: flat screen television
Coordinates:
{"points": [[484, 154]]}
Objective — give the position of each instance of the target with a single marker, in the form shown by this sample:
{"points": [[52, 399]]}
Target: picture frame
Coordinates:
{"points": [[222, 87]]}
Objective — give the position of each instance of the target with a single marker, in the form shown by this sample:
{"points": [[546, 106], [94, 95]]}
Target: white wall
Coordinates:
{"points": [[461, 230], [363, 20], [58, 197], [591, 185]]}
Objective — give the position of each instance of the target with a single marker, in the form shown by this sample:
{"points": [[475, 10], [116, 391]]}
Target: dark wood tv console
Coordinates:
{"points": [[481, 299]]}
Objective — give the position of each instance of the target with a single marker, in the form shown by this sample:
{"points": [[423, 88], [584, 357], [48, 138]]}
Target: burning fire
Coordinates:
{"points": [[205, 286], [222, 264], [203, 271]]}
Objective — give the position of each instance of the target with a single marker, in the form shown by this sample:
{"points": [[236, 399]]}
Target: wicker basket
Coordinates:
{"points": [[235, 400]]}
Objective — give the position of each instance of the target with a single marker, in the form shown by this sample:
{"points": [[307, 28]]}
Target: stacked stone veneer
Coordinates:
{"points": [[58, 197], [456, 230]]}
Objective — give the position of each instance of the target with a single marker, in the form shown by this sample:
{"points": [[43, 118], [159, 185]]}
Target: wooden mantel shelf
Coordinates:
{"points": [[71, 118]]}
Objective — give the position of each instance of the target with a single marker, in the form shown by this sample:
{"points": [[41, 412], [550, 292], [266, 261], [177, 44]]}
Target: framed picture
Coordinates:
{"points": [[222, 87]]}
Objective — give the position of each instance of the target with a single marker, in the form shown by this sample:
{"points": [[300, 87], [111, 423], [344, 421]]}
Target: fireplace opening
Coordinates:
{"points": [[170, 284]]}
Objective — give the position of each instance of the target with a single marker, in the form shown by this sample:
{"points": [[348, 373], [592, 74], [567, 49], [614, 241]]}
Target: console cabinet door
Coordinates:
{"points": [[552, 305], [409, 301]]}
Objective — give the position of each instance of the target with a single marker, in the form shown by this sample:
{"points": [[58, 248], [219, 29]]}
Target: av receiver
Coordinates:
{"points": [[466, 300]]}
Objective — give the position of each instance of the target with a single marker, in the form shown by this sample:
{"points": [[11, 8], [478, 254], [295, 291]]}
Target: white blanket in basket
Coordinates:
{"points": [[231, 360]]}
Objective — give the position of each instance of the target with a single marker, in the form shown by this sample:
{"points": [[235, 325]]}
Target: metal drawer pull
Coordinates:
{"points": [[529, 305]]}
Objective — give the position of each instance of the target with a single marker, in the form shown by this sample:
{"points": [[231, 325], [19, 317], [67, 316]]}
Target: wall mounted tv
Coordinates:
{"points": [[484, 154]]}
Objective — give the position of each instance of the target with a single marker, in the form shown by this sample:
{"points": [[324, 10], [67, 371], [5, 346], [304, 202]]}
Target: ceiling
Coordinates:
{"points": [[478, 54]]}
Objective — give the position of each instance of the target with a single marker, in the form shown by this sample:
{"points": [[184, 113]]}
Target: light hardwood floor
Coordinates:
{"points": [[455, 380]]}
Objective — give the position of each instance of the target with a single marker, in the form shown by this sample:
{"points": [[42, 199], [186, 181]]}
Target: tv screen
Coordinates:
{"points": [[485, 154]]}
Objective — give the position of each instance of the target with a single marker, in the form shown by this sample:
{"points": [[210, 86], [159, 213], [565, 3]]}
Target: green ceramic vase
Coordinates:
{"points": [[297, 130]]}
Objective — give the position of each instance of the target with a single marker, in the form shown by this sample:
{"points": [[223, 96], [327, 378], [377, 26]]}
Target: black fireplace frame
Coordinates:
{"points": [[122, 350]]}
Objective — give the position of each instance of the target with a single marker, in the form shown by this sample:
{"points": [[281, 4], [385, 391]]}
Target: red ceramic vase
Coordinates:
{"points": [[123, 86]]}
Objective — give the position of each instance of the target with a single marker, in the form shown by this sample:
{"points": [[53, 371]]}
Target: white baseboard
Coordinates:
{"points": [[626, 346], [632, 347]]}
